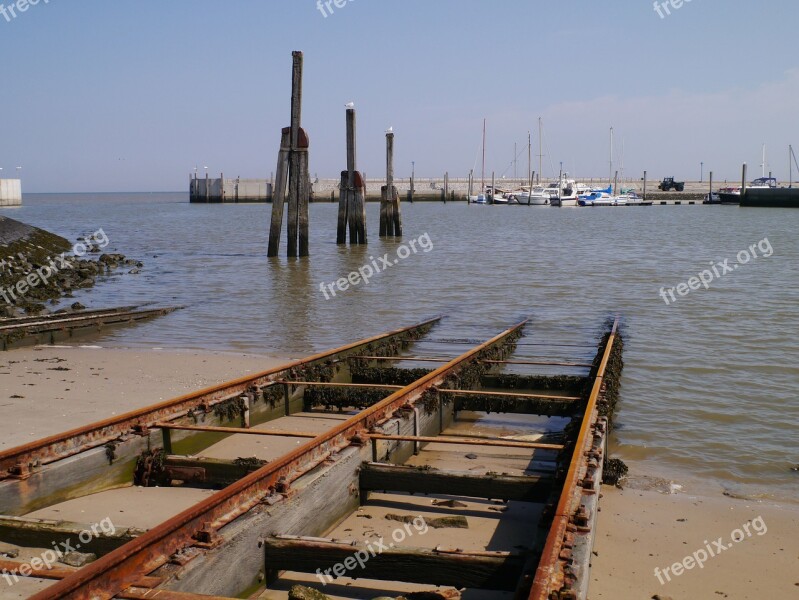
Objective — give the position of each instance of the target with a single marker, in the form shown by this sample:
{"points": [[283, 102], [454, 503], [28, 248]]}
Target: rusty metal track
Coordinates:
{"points": [[550, 575], [115, 572], [18, 461]]}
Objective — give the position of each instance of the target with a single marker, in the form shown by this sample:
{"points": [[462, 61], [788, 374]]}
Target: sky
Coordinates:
{"points": [[133, 95]]}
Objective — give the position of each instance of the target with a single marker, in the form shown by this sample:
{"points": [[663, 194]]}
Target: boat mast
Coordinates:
{"points": [[610, 172], [529, 157], [483, 175], [540, 148]]}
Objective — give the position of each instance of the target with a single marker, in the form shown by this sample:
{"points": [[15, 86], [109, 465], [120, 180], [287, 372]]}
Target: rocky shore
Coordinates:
{"points": [[38, 268]]}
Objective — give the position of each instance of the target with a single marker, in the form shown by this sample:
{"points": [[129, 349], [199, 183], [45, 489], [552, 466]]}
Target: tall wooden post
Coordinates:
{"points": [[644, 185], [352, 202], [743, 182], [292, 176], [390, 219], [446, 186], [710, 194], [493, 188]]}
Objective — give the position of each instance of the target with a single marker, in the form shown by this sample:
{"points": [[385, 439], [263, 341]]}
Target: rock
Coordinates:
{"points": [[77, 306], [300, 592], [659, 597], [134, 271], [8, 550], [400, 518], [450, 594], [448, 523], [449, 503], [795, 469], [78, 559], [471, 456]]}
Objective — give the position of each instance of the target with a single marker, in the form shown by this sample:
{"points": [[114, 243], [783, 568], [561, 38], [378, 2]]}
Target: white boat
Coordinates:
{"points": [[564, 194], [537, 197]]}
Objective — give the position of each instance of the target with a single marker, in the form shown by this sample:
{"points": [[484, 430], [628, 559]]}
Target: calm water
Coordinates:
{"points": [[710, 387]]}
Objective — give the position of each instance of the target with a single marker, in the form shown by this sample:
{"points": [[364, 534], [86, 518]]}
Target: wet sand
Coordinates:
{"points": [[640, 530], [51, 389]]}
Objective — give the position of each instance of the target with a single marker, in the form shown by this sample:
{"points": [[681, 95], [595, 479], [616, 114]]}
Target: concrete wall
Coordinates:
{"points": [[230, 190], [10, 192]]}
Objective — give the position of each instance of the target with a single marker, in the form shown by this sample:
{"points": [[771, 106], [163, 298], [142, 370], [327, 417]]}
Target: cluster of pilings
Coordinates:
{"points": [[293, 184]]}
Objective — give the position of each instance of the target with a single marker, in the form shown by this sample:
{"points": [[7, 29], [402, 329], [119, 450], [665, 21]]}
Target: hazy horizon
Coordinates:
{"points": [[132, 97]]}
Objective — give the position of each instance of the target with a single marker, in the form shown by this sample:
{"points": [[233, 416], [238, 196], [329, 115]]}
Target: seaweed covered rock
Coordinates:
{"points": [[301, 592]]}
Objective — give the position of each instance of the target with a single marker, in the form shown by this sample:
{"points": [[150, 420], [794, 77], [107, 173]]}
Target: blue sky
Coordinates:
{"points": [[130, 96]]}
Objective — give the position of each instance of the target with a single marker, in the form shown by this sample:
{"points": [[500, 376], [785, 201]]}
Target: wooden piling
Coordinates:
{"points": [[352, 202], [390, 219], [446, 186], [493, 189], [644, 185], [292, 176], [710, 196], [743, 182]]}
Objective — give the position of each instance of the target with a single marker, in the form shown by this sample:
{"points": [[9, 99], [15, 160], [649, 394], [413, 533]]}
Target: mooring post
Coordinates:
{"points": [[352, 203], [493, 188], [710, 194], [386, 198], [292, 176], [743, 182], [644, 185], [530, 194]]}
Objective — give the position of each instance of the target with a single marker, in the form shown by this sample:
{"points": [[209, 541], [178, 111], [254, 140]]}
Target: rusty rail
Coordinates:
{"points": [[79, 440], [550, 569], [115, 571]]}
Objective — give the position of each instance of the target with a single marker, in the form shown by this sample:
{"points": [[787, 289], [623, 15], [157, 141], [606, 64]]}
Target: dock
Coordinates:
{"points": [[297, 454]]}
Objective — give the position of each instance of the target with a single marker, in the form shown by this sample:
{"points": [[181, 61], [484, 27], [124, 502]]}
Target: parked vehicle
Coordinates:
{"points": [[668, 184]]}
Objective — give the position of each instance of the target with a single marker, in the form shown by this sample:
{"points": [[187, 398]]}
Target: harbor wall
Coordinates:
{"points": [[230, 190], [10, 192]]}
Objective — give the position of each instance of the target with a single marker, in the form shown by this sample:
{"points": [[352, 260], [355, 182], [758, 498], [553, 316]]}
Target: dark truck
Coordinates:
{"points": [[668, 184]]}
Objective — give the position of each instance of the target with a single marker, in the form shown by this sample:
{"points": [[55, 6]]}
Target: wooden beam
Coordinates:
{"points": [[208, 471], [465, 442], [480, 570], [341, 385], [137, 593], [12, 568], [41, 533], [507, 395], [490, 362], [415, 480], [234, 430], [279, 192]]}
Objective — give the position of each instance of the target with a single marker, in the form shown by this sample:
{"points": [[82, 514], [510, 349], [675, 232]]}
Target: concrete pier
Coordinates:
{"points": [[229, 190], [10, 192]]}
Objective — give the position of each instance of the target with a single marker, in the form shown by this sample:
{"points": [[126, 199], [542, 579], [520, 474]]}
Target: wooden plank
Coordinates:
{"points": [[479, 570], [42, 533], [235, 430], [343, 209], [279, 193], [465, 441], [414, 480], [340, 385], [206, 471], [507, 395]]}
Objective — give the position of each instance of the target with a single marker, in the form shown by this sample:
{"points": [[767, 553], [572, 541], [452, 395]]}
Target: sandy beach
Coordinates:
{"points": [[51, 389], [643, 530]]}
